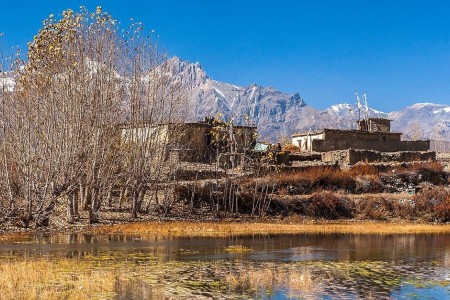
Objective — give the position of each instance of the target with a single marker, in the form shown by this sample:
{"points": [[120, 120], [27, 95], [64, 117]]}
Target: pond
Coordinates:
{"points": [[300, 266]]}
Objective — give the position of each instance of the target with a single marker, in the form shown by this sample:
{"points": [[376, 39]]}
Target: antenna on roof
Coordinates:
{"points": [[367, 106], [351, 112], [358, 102]]}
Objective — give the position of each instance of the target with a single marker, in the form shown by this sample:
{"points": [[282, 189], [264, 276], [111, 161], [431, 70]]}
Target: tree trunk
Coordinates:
{"points": [[72, 207], [95, 206]]}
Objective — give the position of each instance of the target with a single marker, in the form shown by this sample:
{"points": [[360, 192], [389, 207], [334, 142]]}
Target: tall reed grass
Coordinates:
{"points": [[245, 228], [260, 282], [61, 279]]}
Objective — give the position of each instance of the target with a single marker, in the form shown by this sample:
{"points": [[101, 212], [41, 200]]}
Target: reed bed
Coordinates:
{"points": [[236, 228], [60, 279], [257, 281]]}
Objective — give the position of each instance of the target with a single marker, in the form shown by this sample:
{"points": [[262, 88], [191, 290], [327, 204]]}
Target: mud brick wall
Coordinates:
{"points": [[414, 146], [377, 141]]}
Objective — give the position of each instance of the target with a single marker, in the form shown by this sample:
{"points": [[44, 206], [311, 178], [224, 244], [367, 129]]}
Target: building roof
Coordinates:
{"points": [[341, 130]]}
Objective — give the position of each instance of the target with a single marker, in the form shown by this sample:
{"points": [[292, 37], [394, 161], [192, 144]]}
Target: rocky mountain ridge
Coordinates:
{"points": [[278, 114]]}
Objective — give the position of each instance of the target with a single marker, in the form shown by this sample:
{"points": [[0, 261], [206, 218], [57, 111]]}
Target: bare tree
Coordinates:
{"points": [[63, 114], [154, 108], [93, 110]]}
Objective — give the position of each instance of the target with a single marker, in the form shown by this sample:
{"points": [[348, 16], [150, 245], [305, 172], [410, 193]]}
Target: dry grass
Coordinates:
{"points": [[62, 279], [330, 178], [267, 280], [428, 165], [330, 173], [14, 236], [233, 228], [238, 249], [362, 169]]}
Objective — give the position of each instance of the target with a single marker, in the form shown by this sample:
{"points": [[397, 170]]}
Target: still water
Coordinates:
{"points": [[310, 266]]}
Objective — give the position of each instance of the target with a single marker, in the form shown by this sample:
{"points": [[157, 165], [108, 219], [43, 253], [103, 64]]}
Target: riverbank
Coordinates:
{"points": [[236, 228]]}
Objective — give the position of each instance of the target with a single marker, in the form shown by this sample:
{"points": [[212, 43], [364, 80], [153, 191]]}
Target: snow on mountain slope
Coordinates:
{"points": [[275, 113], [279, 114], [423, 121]]}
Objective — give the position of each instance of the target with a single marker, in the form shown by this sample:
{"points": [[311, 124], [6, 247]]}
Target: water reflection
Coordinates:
{"points": [[335, 247], [347, 265]]}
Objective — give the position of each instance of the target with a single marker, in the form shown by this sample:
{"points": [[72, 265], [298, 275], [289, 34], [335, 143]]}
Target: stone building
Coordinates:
{"points": [[372, 134], [191, 142]]}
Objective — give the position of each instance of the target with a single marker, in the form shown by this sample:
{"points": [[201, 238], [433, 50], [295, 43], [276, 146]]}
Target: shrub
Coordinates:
{"points": [[417, 172], [375, 208], [433, 204], [291, 148], [314, 179], [432, 166], [433, 172], [368, 184], [328, 206], [363, 169], [195, 193]]}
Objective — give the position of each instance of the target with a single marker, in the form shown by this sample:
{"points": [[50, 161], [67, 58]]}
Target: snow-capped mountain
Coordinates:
{"points": [[275, 113], [424, 121], [279, 115]]}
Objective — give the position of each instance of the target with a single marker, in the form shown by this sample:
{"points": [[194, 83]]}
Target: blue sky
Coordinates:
{"points": [[398, 52]]}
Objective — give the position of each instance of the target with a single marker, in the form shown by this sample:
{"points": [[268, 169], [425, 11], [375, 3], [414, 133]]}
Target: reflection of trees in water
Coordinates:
{"points": [[337, 247]]}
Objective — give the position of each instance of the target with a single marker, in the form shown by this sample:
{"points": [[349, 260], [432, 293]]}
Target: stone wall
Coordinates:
{"points": [[405, 156], [414, 146], [352, 156], [339, 157], [383, 142]]}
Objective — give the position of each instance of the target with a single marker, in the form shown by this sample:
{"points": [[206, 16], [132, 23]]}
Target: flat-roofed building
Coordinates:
{"points": [[372, 134]]}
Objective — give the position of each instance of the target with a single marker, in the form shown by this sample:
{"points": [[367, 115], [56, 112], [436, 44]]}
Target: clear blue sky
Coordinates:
{"points": [[396, 51]]}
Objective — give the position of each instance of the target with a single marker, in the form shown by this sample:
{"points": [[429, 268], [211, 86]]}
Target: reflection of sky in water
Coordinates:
{"points": [[409, 291]]}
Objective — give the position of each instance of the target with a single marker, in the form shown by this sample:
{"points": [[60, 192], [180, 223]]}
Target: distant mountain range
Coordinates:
{"points": [[279, 115]]}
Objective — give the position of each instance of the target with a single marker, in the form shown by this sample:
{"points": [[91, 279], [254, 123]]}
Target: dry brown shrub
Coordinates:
{"points": [[317, 178], [428, 165], [291, 148], [363, 169], [368, 184], [375, 208], [328, 206], [433, 204]]}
